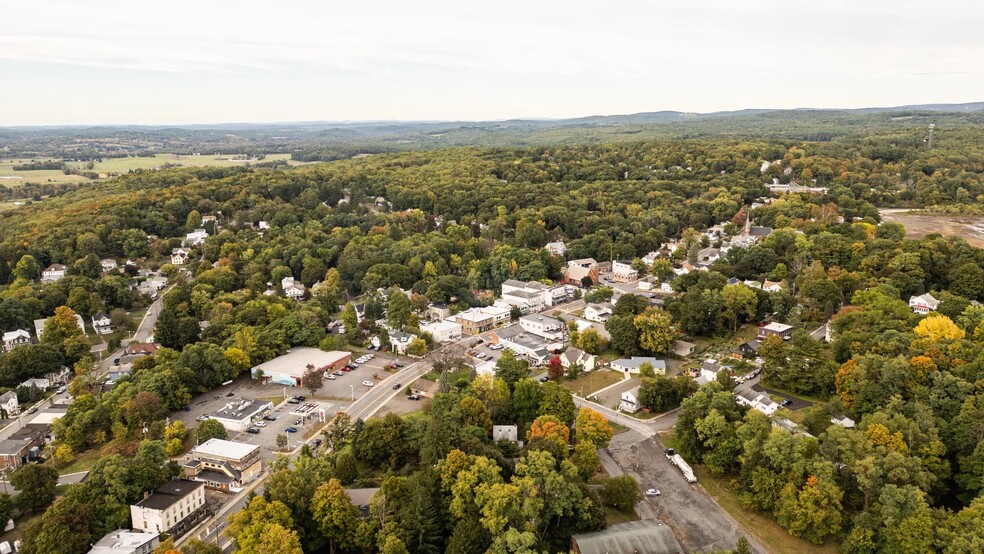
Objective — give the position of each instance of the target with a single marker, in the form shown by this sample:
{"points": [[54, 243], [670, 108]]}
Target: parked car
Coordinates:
{"points": [[34, 409], [253, 431], [337, 373], [60, 390], [786, 403], [544, 379], [201, 418], [298, 421], [414, 397], [346, 369], [398, 364], [116, 361], [330, 377], [479, 341], [270, 417], [260, 424], [368, 383], [396, 386], [293, 401], [390, 366], [290, 430], [653, 492], [186, 408]]}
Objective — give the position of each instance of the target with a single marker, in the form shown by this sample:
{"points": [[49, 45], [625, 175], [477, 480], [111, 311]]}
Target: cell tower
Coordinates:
{"points": [[929, 141]]}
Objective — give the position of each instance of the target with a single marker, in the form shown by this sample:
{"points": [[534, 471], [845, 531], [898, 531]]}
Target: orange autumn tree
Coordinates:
{"points": [[550, 428]]}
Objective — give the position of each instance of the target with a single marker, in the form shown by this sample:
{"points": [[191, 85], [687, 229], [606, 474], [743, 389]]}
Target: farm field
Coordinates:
{"points": [[110, 166], [969, 228]]}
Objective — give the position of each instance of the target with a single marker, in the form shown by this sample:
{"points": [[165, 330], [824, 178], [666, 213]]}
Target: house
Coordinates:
{"points": [[556, 248], [598, 312], [757, 401], [578, 358], [179, 256], [486, 367], [632, 365], [102, 323], [400, 341], [529, 297], [40, 383], [9, 404], [125, 541], [425, 388], [709, 370], [547, 327], [40, 323], [577, 270], [707, 256], [752, 284], [13, 339], [224, 465], [843, 421], [23, 446], [292, 289], [209, 219], [773, 286], [923, 304], [238, 415], [682, 348], [505, 433], [645, 536], [53, 273], [109, 264], [195, 238], [362, 499], [138, 349], [442, 331], [622, 271], [174, 508], [781, 330], [290, 368], [650, 258], [629, 401], [263, 225], [749, 349], [437, 312]]}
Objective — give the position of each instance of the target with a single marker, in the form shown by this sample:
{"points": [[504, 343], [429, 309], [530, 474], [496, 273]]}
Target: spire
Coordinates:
{"points": [[748, 224]]}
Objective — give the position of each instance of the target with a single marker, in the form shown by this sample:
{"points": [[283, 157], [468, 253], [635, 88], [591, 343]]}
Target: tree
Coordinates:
{"points": [[558, 402], [555, 368], [282, 441], [656, 330], [593, 427], [740, 301], [742, 546], [195, 546], [64, 456], [264, 526], [346, 468], [621, 492], [511, 370], [210, 429], [625, 335], [814, 513], [417, 347], [338, 432], [27, 268], [6, 505], [550, 428], [967, 280], [36, 485], [939, 328], [313, 379], [586, 459], [590, 340], [526, 398], [398, 309], [337, 517]]}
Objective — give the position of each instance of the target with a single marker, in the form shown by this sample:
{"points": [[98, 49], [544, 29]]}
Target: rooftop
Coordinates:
{"points": [[122, 541], [169, 493], [647, 535], [296, 360], [361, 497], [777, 327], [637, 361], [225, 449]]}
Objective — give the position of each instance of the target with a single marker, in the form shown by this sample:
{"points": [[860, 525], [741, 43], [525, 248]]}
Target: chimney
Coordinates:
{"points": [[146, 495]]}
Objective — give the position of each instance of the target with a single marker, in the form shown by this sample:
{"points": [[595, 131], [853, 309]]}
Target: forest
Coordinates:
{"points": [[450, 225]]}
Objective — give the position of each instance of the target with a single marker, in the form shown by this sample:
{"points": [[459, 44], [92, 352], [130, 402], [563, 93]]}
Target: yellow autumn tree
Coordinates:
{"points": [[937, 328], [879, 435]]}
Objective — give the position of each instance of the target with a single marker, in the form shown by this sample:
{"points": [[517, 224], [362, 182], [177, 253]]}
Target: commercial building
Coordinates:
{"points": [[224, 465], [577, 270], [647, 536], [529, 297], [125, 541], [534, 347], [238, 415], [547, 327], [174, 508], [622, 271], [289, 369], [632, 365], [474, 321], [442, 331]]}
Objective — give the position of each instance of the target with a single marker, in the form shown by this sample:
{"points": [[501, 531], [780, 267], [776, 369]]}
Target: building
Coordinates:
{"points": [[13, 339], [362, 498], [485, 367], [474, 321], [622, 271], [238, 415], [41, 383], [505, 433], [292, 289], [179, 256], [709, 371], [749, 349], [174, 508], [224, 465], [534, 347], [425, 388], [629, 401], [442, 331], [598, 313], [632, 365], [577, 270], [400, 341], [53, 273], [843, 421], [102, 323], [707, 256], [109, 264], [438, 312], [578, 358], [196, 237], [9, 405], [773, 286], [125, 541], [781, 330], [289, 369], [757, 400], [923, 304], [40, 323], [682, 348], [138, 349], [23, 446], [529, 297], [556, 248], [544, 326]]}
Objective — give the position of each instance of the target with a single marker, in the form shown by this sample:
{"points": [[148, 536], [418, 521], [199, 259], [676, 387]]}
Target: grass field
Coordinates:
{"points": [[587, 383], [110, 166]]}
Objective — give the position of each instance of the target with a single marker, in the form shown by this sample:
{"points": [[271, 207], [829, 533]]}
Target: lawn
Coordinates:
{"points": [[83, 462], [765, 530], [613, 516], [453, 377], [590, 382]]}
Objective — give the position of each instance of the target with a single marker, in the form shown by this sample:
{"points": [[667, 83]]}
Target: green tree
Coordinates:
{"points": [[558, 402], [417, 347], [590, 341], [27, 268], [621, 492], [210, 429], [656, 330], [813, 513], [740, 302], [35, 485], [346, 468], [586, 459], [264, 527], [593, 427], [337, 517], [511, 370], [398, 309], [526, 398], [967, 280]]}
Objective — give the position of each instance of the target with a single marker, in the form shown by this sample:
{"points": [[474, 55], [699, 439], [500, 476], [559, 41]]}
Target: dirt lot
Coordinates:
{"points": [[969, 228]]}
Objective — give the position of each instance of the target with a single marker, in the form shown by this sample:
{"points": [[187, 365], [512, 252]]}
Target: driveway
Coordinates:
{"points": [[612, 396]]}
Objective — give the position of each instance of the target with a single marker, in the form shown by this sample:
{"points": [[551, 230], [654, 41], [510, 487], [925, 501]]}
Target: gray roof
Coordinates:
{"points": [[647, 535], [637, 361], [169, 493]]}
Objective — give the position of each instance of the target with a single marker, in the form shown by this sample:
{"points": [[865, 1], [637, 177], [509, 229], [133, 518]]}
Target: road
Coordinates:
{"points": [[646, 428]]}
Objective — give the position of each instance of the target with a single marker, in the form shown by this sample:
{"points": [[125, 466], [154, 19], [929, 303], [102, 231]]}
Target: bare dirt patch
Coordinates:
{"points": [[969, 228]]}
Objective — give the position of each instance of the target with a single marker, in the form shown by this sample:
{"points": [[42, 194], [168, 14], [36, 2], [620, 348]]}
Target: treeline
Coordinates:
{"points": [[35, 165]]}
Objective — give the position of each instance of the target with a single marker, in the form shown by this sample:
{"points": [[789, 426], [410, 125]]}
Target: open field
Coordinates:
{"points": [[588, 383], [110, 166], [969, 228]]}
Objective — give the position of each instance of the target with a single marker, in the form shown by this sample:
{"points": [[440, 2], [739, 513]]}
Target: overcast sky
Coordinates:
{"points": [[211, 61]]}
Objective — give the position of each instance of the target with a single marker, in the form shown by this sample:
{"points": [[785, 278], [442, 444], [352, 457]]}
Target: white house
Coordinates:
{"points": [[923, 304], [622, 271], [109, 264], [757, 400], [630, 401], [709, 370], [650, 258], [843, 421], [579, 358], [442, 331], [39, 325], [37, 382], [773, 286], [9, 403], [708, 256], [173, 508], [13, 339], [102, 323], [556, 248], [195, 238], [547, 327], [179, 256], [400, 341], [53, 273], [263, 225], [529, 297], [292, 288], [598, 312], [632, 365]]}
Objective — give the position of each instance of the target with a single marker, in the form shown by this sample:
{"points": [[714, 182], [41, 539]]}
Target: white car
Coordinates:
{"points": [[368, 383], [260, 424], [201, 418], [330, 377], [653, 492]]}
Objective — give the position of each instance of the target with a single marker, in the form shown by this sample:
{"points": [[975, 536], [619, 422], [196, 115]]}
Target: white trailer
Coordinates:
{"points": [[682, 464]]}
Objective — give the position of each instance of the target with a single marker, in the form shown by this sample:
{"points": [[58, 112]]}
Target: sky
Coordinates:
{"points": [[66, 62]]}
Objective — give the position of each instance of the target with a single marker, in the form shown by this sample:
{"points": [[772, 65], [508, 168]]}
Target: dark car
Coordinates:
{"points": [[269, 417], [293, 401], [479, 341], [398, 364], [414, 397], [786, 402], [301, 398], [396, 386], [290, 430], [186, 408], [116, 361], [253, 431], [544, 379], [317, 443]]}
